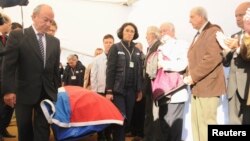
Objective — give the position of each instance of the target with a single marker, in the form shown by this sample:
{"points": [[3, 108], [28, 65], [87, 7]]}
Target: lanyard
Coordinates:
{"points": [[131, 63], [130, 54], [73, 72]]}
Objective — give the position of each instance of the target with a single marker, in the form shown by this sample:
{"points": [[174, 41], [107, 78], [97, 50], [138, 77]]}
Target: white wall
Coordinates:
{"points": [[82, 24], [155, 12]]}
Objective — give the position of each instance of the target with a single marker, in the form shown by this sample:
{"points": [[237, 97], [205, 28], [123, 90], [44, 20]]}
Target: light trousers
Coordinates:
{"points": [[203, 113]]}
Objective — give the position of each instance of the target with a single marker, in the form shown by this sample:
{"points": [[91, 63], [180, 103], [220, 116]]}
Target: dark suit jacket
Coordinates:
{"points": [[205, 64], [25, 60], [238, 75], [2, 52]]}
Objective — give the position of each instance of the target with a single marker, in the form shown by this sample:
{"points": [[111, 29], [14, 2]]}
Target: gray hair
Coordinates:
{"points": [[169, 25], [38, 8], [71, 56], [201, 12], [154, 30]]}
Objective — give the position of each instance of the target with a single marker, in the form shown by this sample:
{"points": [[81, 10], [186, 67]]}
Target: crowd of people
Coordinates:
{"points": [[123, 74]]}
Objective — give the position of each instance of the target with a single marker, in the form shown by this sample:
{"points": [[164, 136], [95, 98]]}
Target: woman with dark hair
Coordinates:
{"points": [[124, 76]]}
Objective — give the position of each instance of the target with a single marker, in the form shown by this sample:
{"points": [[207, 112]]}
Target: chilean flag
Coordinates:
{"points": [[79, 112]]}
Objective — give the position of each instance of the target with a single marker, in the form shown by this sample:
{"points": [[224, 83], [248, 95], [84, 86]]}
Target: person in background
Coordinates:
{"points": [[153, 39], [79, 63], [139, 46], [16, 26], [138, 116], [6, 111], [124, 76], [98, 78], [87, 84], [53, 28], [30, 74], [74, 72], [239, 112], [204, 73], [245, 48], [52, 31], [171, 112]]}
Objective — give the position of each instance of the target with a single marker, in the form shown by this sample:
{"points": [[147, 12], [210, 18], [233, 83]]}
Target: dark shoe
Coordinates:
{"points": [[6, 134]]}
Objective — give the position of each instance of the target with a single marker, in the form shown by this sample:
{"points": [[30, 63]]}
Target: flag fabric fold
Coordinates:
{"points": [[79, 112]]}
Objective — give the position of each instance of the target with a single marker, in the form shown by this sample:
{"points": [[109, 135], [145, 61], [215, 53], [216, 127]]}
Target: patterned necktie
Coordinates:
{"points": [[40, 41]]}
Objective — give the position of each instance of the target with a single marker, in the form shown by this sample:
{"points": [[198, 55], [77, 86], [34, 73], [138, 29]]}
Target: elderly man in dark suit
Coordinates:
{"points": [[34, 57], [204, 74], [238, 85], [5, 110]]}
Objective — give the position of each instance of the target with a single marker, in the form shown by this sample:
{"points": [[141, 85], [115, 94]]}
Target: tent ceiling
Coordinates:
{"points": [[124, 2]]}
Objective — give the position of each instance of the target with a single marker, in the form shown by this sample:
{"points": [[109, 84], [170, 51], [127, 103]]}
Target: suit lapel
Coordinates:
{"points": [[49, 47], [34, 42], [208, 25]]}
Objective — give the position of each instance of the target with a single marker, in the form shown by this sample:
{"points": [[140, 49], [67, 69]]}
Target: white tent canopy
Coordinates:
{"points": [[83, 23]]}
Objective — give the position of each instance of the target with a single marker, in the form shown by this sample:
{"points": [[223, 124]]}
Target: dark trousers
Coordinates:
{"points": [[125, 103], [149, 119], [106, 134], [5, 116], [31, 122], [137, 121]]}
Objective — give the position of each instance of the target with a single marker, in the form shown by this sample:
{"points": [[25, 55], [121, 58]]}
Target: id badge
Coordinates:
{"points": [[131, 64], [73, 77]]}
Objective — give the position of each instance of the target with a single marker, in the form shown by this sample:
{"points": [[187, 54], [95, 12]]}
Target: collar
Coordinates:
{"points": [[126, 44], [202, 27], [152, 43], [36, 32]]}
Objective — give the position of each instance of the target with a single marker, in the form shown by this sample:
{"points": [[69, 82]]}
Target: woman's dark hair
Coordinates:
{"points": [[120, 30], [16, 25]]}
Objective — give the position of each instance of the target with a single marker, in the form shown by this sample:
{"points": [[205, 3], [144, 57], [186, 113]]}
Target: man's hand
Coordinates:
{"points": [[188, 80], [232, 43], [109, 97], [139, 96], [10, 99]]}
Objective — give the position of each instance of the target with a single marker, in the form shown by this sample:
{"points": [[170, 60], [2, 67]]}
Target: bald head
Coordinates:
{"points": [[240, 11], [42, 17]]}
